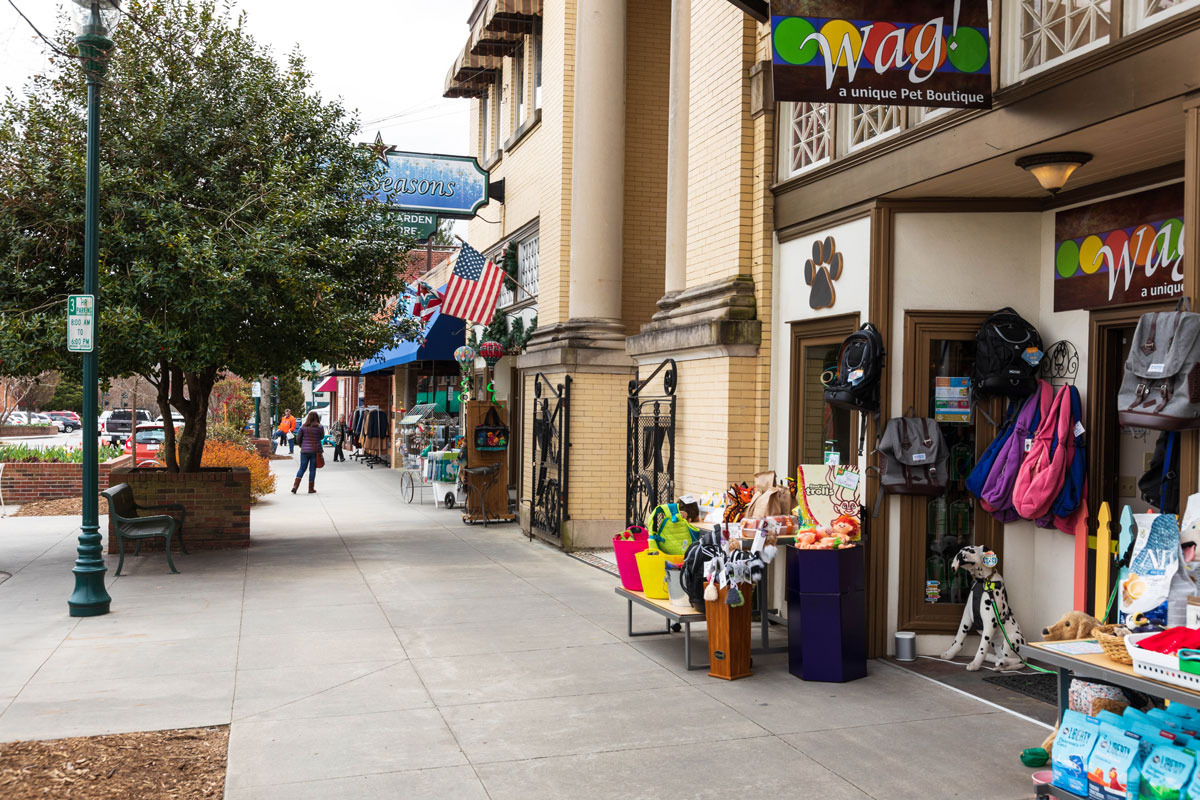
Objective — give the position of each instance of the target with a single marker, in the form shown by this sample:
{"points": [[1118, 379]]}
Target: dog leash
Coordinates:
{"points": [[999, 622]]}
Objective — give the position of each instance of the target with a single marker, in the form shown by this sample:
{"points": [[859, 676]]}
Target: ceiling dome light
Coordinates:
{"points": [[1052, 170]]}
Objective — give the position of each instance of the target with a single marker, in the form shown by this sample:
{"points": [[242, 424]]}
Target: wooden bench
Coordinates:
{"points": [[126, 524]]}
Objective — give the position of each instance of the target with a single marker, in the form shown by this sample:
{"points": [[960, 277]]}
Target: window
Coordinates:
{"points": [[500, 111], [518, 83], [809, 136], [868, 123], [527, 274], [815, 428], [1049, 31], [485, 120], [537, 70], [1142, 13]]}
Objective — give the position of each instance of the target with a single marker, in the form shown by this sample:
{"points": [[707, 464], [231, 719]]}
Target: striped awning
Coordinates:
{"points": [[495, 42], [512, 16]]}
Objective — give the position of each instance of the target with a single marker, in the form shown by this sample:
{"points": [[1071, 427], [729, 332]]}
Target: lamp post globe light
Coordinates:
{"points": [[97, 18]]}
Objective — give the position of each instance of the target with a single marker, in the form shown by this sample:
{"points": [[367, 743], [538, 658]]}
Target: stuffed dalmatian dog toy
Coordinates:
{"points": [[987, 604]]}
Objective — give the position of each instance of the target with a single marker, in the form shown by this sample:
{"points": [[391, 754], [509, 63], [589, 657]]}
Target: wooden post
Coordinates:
{"points": [[1103, 560]]}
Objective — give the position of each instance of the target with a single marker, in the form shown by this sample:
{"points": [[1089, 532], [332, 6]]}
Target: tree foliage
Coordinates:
{"points": [[291, 395], [68, 396], [235, 233], [230, 401]]}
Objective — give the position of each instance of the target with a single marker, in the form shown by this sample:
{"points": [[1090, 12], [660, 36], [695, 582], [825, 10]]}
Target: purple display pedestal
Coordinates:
{"points": [[827, 620]]}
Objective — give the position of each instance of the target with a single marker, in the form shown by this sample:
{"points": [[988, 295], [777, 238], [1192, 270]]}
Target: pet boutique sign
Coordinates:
{"points": [[1121, 251], [931, 53]]}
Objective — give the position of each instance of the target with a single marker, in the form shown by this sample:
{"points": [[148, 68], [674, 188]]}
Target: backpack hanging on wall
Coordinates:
{"points": [[915, 459], [1008, 350], [1161, 387], [1159, 484], [860, 365]]}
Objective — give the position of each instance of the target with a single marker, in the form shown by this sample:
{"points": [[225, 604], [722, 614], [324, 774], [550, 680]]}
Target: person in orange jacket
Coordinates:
{"points": [[287, 427]]}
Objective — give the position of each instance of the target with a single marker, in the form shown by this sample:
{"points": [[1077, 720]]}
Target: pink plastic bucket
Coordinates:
{"points": [[626, 552]]}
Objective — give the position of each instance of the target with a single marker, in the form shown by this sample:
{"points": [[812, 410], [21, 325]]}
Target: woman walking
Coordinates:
{"points": [[309, 436], [339, 438]]}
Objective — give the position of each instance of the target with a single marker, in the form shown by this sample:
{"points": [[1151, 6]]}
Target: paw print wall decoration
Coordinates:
{"points": [[821, 271]]}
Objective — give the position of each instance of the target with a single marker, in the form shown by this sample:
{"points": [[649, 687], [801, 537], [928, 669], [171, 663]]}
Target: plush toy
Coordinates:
{"points": [[1071, 625], [987, 609]]}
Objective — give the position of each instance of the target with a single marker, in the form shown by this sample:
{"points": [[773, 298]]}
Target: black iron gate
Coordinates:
{"points": [[550, 455], [650, 444]]}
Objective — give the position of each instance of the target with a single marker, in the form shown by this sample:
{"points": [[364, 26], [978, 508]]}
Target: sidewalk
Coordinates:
{"points": [[367, 648]]}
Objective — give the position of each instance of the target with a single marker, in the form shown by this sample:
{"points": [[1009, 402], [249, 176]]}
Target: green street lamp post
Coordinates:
{"points": [[90, 598]]}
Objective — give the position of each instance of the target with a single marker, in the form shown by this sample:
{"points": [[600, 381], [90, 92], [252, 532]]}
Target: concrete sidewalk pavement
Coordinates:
{"points": [[366, 648]]}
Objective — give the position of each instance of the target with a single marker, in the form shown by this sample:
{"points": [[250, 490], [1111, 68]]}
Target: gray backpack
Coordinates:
{"points": [[1161, 388], [914, 457]]}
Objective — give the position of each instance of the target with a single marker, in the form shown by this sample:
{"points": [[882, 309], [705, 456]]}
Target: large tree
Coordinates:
{"points": [[235, 230]]}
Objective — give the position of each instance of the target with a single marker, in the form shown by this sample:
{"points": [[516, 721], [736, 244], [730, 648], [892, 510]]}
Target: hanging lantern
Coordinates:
{"points": [[491, 352], [464, 355]]}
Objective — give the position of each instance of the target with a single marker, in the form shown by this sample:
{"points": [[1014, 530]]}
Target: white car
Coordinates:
{"points": [[176, 418], [43, 419], [17, 418]]}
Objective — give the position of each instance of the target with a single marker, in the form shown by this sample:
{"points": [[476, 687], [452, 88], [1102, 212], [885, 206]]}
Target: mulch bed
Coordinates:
{"points": [[184, 764], [60, 507]]}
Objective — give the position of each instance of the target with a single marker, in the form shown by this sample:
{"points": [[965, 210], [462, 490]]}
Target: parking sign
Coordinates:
{"points": [[81, 323]]}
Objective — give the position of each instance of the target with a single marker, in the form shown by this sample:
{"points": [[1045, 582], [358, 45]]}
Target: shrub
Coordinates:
{"points": [[228, 454], [229, 434]]}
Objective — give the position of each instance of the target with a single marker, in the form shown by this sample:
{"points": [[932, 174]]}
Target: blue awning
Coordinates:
{"points": [[443, 335]]}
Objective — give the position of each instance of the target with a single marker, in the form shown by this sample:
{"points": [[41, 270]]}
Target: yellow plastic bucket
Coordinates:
{"points": [[652, 567]]}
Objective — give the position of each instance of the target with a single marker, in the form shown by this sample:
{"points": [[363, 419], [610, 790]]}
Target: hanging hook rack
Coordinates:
{"points": [[1060, 364]]}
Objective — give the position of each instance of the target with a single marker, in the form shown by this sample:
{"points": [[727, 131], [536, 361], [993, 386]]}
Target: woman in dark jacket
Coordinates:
{"points": [[309, 436]]}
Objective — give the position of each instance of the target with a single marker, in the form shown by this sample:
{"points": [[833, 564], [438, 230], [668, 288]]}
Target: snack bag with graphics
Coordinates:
{"points": [[1077, 734], [1114, 767], [1166, 772]]}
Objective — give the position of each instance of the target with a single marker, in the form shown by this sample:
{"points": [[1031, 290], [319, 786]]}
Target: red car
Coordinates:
{"points": [[150, 436]]}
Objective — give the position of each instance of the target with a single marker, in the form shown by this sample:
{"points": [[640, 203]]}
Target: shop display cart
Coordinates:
{"points": [[1100, 667]]}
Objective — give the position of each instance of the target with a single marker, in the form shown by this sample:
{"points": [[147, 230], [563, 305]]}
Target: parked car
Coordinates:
{"points": [[17, 418], [149, 437], [120, 422], [100, 420], [176, 418], [67, 420], [37, 418]]}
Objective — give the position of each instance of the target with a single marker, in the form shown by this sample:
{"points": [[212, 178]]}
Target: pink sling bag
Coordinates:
{"points": [[1040, 478]]}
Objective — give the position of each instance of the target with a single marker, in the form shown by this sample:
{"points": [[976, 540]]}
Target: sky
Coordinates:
{"points": [[386, 58]]}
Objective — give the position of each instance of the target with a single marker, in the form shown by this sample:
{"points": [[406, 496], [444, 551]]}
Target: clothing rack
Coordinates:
{"points": [[371, 436]]}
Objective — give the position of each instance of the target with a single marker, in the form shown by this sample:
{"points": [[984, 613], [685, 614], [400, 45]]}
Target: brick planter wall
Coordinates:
{"points": [[263, 446], [28, 483], [217, 501], [27, 430]]}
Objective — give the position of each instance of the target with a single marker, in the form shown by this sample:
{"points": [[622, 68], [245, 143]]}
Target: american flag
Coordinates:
{"points": [[474, 287]]}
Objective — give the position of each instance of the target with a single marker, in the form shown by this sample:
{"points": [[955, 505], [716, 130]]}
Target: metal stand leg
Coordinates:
{"points": [[687, 649], [1064, 691], [629, 605]]}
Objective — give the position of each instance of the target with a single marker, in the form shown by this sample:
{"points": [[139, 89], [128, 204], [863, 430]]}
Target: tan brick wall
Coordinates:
{"points": [[537, 169], [721, 142], [716, 426], [647, 67]]}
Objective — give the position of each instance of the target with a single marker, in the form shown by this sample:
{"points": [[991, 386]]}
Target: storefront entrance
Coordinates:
{"points": [[939, 354]]}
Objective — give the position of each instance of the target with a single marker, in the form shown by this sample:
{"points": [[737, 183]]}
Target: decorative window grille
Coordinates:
{"points": [[868, 123], [810, 135], [527, 274], [1052, 29], [1141, 13]]}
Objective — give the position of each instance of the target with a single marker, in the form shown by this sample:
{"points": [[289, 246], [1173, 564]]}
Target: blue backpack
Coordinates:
{"points": [[1073, 481], [979, 475]]}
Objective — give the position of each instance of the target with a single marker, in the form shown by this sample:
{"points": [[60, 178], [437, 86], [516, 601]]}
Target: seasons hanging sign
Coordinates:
{"points": [[932, 53], [449, 186]]}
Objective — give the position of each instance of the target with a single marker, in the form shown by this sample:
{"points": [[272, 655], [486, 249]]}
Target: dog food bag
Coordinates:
{"points": [[1114, 767], [1154, 563], [1177, 725], [1180, 710], [1166, 772], [1077, 734]]}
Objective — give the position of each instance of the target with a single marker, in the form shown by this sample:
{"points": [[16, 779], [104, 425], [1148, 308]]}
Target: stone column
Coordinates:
{"points": [[677, 152], [598, 173]]}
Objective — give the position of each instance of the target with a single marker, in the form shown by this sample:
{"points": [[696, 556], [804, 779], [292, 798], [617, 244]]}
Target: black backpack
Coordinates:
{"points": [[1000, 368], [860, 366], [1159, 484], [691, 577]]}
